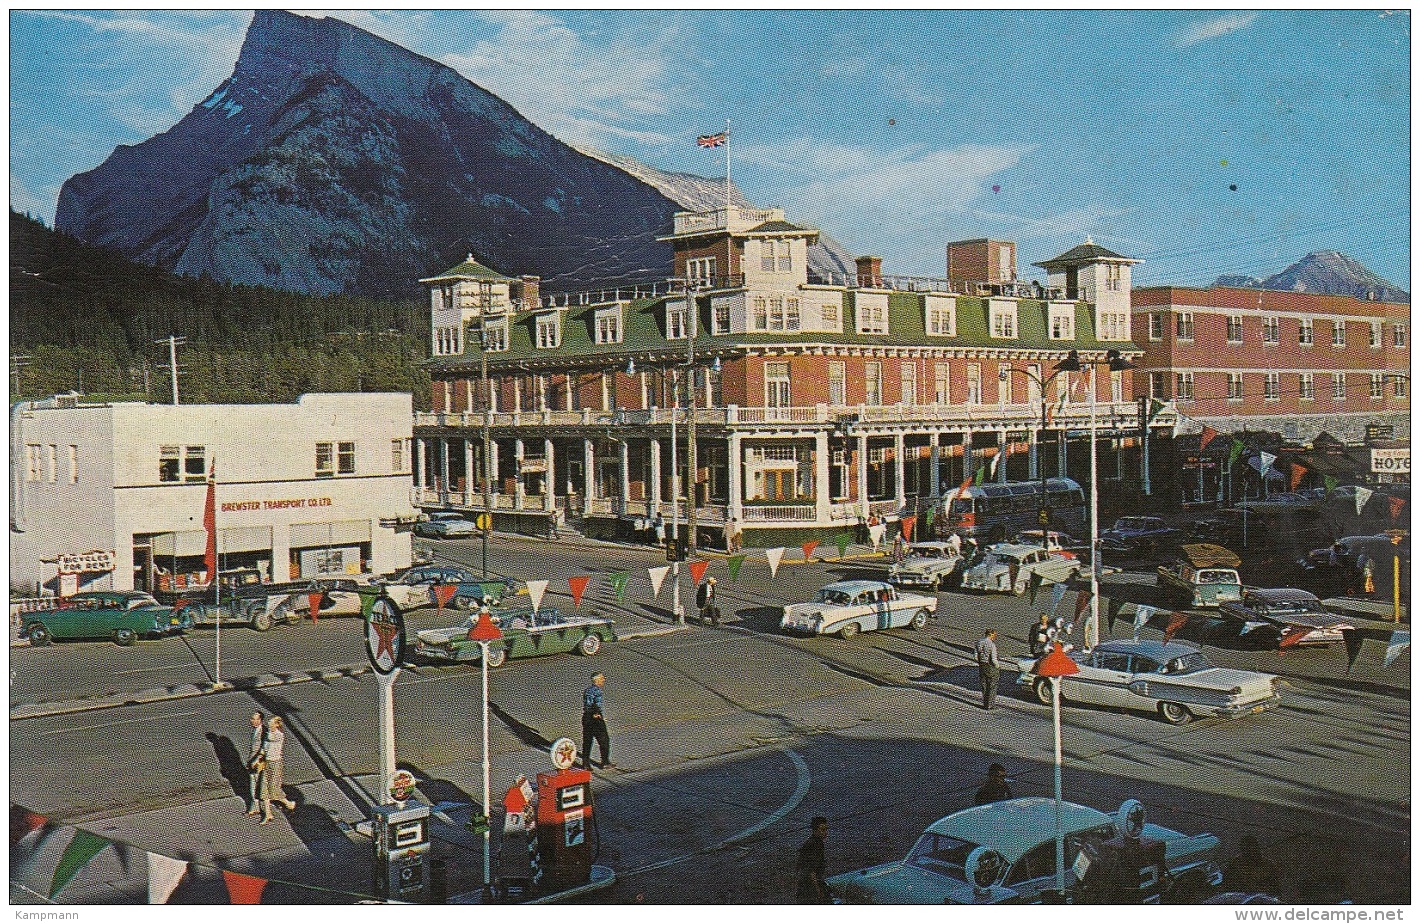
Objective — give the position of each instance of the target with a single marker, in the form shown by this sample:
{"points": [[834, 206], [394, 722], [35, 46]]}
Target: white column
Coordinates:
{"points": [[1001, 445], [899, 451], [494, 487], [936, 466], [444, 467], [735, 466], [822, 510], [626, 477], [655, 487], [863, 475], [968, 458], [468, 394], [549, 497], [519, 493], [420, 475], [589, 480], [470, 476], [1035, 435]]}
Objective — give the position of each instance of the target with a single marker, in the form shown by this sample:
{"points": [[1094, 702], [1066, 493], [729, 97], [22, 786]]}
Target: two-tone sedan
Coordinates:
{"points": [[1004, 853], [1173, 679], [445, 525], [932, 565], [526, 633], [1008, 568], [846, 608], [414, 587], [1293, 616], [122, 615]]}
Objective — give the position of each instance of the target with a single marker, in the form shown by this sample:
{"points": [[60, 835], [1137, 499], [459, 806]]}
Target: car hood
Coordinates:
{"points": [[894, 884], [442, 636]]}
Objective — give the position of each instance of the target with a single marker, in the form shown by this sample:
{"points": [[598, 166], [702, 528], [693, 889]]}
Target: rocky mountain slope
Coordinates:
{"points": [[1325, 272]]}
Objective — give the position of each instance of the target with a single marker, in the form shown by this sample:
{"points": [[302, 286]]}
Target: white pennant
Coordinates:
{"points": [[1141, 618], [658, 576], [164, 874], [774, 556], [535, 592], [1399, 641], [1362, 495], [876, 533], [1057, 593], [1267, 459]]}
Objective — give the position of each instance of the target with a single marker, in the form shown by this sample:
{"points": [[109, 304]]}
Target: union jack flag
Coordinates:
{"points": [[713, 141]]}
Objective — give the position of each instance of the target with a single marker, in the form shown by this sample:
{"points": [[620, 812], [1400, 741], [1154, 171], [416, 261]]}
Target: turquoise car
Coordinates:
{"points": [[1205, 575], [122, 615]]}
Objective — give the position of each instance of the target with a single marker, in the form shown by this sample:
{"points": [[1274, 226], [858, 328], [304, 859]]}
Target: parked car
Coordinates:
{"points": [[414, 587], [928, 564], [339, 597], [850, 607], [1205, 575], [1053, 541], [948, 863], [1007, 568], [526, 633], [1280, 611], [1138, 535], [1173, 679], [122, 615], [445, 525]]}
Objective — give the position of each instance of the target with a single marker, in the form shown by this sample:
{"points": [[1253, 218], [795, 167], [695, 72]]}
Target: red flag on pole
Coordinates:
{"points": [[209, 523], [1177, 621], [244, 890], [579, 586], [907, 524], [809, 547], [443, 593], [314, 598], [1208, 436], [697, 570]]}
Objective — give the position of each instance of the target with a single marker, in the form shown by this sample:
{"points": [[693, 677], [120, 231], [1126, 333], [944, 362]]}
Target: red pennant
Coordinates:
{"points": [[1299, 472], [1177, 621], [1082, 600], [314, 598], [23, 822], [1397, 504], [907, 524], [514, 800], [809, 547], [443, 593], [697, 570], [1292, 637], [1208, 436], [209, 523], [243, 889], [579, 586]]}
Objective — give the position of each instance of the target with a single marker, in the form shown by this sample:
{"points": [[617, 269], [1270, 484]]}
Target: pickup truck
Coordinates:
{"points": [[245, 599]]}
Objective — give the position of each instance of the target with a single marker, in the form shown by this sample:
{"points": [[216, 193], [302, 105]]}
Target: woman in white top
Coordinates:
{"points": [[272, 789]]}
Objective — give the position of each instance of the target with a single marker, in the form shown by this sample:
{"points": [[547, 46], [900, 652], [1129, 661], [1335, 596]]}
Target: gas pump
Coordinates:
{"points": [[401, 851], [1127, 869], [564, 814]]}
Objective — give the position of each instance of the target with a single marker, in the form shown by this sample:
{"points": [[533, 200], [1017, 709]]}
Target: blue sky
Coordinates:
{"points": [[893, 131]]}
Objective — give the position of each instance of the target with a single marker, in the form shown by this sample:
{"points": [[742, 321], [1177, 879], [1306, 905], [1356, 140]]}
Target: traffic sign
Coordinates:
{"points": [[484, 522]]}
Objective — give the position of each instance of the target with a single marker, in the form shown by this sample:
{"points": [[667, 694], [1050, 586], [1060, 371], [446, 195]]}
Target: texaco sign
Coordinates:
{"points": [[384, 636]]}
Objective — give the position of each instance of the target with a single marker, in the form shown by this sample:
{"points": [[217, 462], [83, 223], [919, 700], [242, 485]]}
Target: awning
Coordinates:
{"points": [[340, 532]]}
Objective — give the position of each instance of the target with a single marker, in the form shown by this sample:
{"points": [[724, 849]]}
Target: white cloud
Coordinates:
{"points": [[1215, 28]]}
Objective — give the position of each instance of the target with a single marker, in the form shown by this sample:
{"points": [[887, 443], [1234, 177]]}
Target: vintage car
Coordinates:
{"points": [[928, 564], [122, 615], [946, 864], [1053, 541], [339, 597], [1173, 679], [414, 588], [445, 525], [1138, 535], [1205, 575], [526, 633], [1007, 568], [850, 607], [1283, 611]]}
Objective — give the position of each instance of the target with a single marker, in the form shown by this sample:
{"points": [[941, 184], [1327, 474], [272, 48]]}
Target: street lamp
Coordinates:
{"points": [[1070, 363], [484, 632], [1116, 363], [1055, 665]]}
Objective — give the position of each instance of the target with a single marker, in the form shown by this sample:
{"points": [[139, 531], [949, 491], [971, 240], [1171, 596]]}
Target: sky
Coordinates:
{"points": [[1202, 142]]}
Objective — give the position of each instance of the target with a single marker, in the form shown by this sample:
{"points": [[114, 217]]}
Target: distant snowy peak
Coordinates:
{"points": [[1325, 272]]}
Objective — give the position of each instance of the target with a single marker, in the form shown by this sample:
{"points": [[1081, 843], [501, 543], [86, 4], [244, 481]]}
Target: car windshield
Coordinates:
{"points": [[942, 854], [1134, 523], [836, 597], [997, 558], [1217, 576], [1291, 606], [921, 551], [1187, 664]]}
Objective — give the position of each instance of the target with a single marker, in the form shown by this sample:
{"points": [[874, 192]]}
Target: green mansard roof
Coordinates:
{"points": [[468, 269]]}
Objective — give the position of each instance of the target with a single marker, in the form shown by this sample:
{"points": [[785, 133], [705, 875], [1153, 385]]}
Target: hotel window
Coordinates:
{"points": [[828, 316], [872, 314], [675, 321], [1003, 321], [51, 457], [1235, 328], [547, 333], [397, 455], [345, 458], [1183, 386], [1377, 385], [1271, 386], [1116, 387], [941, 387], [759, 313], [873, 383], [1338, 333], [609, 328], [941, 316], [1184, 328], [776, 385], [1305, 332], [1113, 276], [608, 391], [837, 382], [701, 269], [1375, 335], [73, 464], [720, 314], [495, 338], [1399, 384], [1271, 332], [1156, 325], [1062, 323], [776, 313], [909, 382], [774, 256], [973, 384], [1114, 325], [1158, 386], [1306, 386], [1398, 334], [1338, 386], [194, 463], [1235, 386]]}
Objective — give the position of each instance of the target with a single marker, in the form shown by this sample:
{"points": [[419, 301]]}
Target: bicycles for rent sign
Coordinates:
{"points": [[1390, 461], [85, 562]]}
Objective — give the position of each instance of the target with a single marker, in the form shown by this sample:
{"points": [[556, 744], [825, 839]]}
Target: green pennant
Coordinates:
{"points": [[492, 589], [980, 476], [75, 857], [1035, 581], [931, 515], [1155, 405], [842, 540], [734, 562], [618, 583], [1330, 484], [1236, 451]]}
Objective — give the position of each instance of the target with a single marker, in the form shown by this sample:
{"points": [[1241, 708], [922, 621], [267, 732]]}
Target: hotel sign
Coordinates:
{"points": [[1390, 461]]}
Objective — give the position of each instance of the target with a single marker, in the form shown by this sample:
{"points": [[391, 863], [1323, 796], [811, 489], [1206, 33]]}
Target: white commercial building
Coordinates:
{"points": [[113, 495]]}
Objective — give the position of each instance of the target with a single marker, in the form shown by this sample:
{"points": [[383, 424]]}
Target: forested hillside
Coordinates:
{"points": [[85, 319]]}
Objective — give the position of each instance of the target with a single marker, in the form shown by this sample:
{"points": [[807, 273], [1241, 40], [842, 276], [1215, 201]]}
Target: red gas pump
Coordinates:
{"points": [[564, 814]]}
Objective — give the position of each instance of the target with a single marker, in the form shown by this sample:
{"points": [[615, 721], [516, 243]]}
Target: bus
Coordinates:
{"points": [[993, 512]]}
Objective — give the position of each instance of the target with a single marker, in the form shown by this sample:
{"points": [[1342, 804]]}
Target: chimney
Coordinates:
{"points": [[870, 272], [531, 295]]}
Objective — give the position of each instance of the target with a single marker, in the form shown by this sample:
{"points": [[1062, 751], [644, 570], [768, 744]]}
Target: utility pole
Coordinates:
{"points": [[173, 343], [17, 363], [693, 474]]}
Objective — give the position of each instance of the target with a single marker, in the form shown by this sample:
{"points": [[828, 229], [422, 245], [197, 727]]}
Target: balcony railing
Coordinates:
{"points": [[797, 513], [731, 219], [945, 286]]}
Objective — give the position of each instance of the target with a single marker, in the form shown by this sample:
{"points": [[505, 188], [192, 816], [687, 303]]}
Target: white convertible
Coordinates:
{"points": [[850, 607]]}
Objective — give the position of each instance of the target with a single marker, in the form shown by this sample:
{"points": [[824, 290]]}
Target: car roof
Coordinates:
{"points": [[1159, 651], [1011, 548], [1281, 594], [928, 545], [1014, 826], [853, 587]]}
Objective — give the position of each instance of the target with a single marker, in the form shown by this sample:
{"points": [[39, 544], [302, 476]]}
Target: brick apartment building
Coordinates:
{"points": [[818, 401]]}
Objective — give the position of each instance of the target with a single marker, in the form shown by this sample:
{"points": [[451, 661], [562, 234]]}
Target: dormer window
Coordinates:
{"points": [[549, 332], [495, 337], [675, 321], [1003, 320], [872, 313], [1062, 322], [608, 323], [700, 270], [941, 316], [775, 256], [775, 313]]}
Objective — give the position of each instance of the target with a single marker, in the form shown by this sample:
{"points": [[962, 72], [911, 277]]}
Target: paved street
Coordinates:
{"points": [[728, 739]]}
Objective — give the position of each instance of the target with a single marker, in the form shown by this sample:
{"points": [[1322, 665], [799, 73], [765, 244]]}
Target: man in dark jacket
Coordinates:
{"points": [[996, 788], [705, 600], [813, 890]]}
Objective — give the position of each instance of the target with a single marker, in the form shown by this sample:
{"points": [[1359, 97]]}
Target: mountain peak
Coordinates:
{"points": [[1324, 272]]}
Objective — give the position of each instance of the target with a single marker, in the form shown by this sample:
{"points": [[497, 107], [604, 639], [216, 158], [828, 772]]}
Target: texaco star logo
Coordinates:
{"points": [[384, 636], [564, 753]]}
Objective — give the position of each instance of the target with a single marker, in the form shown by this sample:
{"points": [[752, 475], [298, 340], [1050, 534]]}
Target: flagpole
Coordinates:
{"points": [[727, 171]]}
